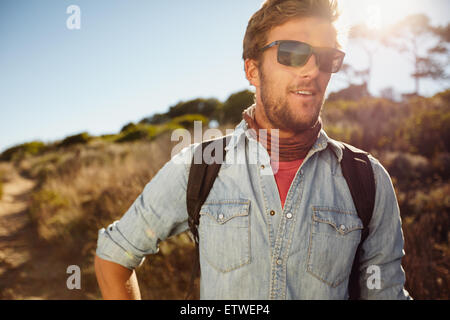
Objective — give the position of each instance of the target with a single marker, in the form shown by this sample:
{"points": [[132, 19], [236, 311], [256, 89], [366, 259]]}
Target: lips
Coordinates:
{"points": [[305, 91]]}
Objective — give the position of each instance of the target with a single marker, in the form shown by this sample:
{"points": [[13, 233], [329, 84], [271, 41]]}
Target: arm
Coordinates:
{"points": [[382, 275], [158, 213], [115, 281]]}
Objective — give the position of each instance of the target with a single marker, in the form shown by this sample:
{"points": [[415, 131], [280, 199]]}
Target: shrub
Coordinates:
{"points": [[47, 211], [19, 151], [81, 138], [128, 127], [187, 121], [231, 111], [428, 132], [138, 132]]}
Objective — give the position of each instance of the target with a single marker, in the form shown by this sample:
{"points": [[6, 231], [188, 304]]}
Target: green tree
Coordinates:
{"points": [[231, 111]]}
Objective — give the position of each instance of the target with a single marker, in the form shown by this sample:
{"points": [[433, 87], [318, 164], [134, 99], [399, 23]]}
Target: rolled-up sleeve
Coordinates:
{"points": [[158, 213], [382, 275]]}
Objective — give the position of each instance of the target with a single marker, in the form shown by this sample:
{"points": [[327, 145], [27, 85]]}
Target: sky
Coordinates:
{"points": [[133, 58]]}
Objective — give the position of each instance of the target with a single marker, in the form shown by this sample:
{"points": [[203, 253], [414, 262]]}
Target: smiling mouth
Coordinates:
{"points": [[304, 93]]}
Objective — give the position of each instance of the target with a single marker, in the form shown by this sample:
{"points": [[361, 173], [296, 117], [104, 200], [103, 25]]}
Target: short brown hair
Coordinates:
{"points": [[274, 13]]}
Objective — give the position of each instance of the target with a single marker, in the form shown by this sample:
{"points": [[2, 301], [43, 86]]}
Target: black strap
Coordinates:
{"points": [[200, 182], [358, 173]]}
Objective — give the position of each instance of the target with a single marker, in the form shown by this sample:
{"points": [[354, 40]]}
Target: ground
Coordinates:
{"points": [[27, 269]]}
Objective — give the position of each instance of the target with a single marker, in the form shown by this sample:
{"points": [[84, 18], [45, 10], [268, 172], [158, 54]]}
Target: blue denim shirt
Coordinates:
{"points": [[303, 251]]}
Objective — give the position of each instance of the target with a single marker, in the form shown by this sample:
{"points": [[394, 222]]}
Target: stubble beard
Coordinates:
{"points": [[280, 114]]}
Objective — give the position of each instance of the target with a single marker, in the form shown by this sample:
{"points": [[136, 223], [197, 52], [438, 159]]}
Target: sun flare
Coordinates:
{"points": [[375, 14]]}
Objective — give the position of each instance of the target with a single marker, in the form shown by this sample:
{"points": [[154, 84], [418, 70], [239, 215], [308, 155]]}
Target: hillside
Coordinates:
{"points": [[55, 198]]}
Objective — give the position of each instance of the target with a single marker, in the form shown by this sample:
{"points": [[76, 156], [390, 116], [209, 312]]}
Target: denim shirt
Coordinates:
{"points": [[251, 247]]}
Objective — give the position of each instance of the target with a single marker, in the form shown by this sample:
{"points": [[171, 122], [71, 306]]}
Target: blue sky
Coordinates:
{"points": [[133, 58]]}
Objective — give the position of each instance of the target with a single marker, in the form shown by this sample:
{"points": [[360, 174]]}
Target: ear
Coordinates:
{"points": [[252, 72]]}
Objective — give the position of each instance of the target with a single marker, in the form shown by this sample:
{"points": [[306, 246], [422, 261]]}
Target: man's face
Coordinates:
{"points": [[277, 85]]}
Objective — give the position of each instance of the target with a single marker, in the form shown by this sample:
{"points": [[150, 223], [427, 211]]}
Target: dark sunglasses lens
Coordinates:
{"points": [[294, 54], [330, 60]]}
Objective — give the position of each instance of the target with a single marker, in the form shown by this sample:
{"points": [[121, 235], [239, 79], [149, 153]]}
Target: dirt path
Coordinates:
{"points": [[28, 270]]}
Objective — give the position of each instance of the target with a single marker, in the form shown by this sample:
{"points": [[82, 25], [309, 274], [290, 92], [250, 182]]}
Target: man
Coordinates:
{"points": [[284, 226]]}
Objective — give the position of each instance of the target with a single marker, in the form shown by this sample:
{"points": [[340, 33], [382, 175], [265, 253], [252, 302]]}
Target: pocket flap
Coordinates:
{"points": [[343, 221], [224, 210]]}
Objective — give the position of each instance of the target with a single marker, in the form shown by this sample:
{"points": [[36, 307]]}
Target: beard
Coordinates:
{"points": [[283, 116]]}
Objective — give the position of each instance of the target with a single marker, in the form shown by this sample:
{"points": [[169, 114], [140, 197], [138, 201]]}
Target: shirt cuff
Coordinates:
{"points": [[108, 249]]}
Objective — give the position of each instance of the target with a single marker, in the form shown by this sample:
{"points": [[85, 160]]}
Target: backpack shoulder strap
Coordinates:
{"points": [[201, 179], [358, 173]]}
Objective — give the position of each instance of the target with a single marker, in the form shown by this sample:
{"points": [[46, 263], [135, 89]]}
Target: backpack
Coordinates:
{"points": [[356, 169]]}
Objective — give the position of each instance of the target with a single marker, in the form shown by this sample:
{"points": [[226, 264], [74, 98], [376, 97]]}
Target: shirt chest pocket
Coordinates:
{"points": [[224, 231], [334, 238]]}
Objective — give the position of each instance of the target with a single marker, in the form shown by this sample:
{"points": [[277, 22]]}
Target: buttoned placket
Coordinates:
{"points": [[282, 221]]}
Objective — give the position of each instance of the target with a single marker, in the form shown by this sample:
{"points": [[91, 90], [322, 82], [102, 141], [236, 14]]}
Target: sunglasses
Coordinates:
{"points": [[296, 54]]}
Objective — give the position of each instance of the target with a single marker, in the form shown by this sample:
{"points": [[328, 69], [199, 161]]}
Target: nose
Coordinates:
{"points": [[310, 69]]}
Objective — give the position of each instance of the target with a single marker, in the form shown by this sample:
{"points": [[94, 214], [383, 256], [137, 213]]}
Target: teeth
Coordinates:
{"points": [[304, 92]]}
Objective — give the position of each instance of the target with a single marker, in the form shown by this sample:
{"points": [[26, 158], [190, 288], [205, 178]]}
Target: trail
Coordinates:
{"points": [[27, 268]]}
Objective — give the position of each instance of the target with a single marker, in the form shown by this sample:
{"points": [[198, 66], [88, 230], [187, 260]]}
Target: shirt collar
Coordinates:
{"points": [[323, 141]]}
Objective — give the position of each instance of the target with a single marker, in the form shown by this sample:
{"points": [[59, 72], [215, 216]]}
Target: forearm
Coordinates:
{"points": [[115, 281]]}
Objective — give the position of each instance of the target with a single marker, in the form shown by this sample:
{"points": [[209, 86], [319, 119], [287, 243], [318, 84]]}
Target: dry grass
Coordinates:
{"points": [[85, 189]]}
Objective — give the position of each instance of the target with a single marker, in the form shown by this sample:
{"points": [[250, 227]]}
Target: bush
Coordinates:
{"points": [[231, 111], [441, 165], [81, 138], [48, 210], [137, 132], [187, 121], [128, 127], [29, 148], [428, 132]]}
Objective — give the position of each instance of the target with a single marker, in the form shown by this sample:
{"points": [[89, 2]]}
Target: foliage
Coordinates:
{"points": [[19, 151], [187, 121], [81, 138], [352, 92], [428, 132], [204, 107], [231, 111], [137, 132]]}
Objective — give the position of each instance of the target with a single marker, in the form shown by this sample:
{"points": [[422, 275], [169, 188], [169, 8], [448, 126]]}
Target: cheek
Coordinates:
{"points": [[323, 80]]}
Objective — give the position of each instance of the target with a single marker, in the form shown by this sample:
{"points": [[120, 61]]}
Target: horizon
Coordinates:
{"points": [[122, 65]]}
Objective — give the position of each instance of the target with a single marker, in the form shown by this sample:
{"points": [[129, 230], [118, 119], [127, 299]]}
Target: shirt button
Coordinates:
{"points": [[289, 216], [342, 227], [279, 262], [272, 213], [221, 216]]}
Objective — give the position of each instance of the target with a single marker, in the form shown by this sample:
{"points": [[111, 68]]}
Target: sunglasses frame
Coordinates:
{"points": [[312, 51]]}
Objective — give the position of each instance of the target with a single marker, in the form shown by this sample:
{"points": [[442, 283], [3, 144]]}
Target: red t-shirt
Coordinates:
{"points": [[284, 176]]}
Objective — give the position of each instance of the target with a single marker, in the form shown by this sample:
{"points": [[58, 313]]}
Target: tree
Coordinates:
{"points": [[368, 39], [422, 42], [231, 111]]}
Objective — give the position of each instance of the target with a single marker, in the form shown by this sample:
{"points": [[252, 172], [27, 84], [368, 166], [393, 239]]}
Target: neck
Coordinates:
{"points": [[287, 145]]}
